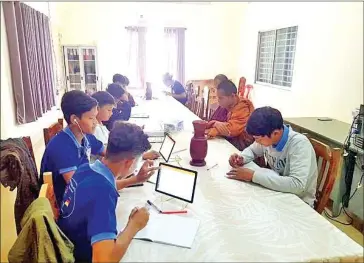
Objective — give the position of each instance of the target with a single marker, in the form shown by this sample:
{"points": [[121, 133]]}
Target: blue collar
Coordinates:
{"points": [[68, 131], [101, 169], [282, 142], [83, 148]]}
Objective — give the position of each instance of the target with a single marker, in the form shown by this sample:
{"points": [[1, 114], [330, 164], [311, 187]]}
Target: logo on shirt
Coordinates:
{"points": [[68, 205], [275, 163]]}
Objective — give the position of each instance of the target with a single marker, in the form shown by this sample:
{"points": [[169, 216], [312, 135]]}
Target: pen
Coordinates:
{"points": [[135, 185], [212, 167], [174, 212], [151, 204]]}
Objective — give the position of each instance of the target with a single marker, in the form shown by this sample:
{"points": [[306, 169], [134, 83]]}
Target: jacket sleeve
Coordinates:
{"points": [[296, 181], [236, 123], [252, 152]]}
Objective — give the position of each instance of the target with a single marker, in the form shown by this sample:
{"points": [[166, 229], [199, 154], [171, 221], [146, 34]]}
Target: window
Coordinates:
{"points": [[275, 60], [153, 52]]}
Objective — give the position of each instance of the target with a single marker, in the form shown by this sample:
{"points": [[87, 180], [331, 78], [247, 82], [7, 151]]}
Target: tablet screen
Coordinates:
{"points": [[167, 147], [176, 182]]}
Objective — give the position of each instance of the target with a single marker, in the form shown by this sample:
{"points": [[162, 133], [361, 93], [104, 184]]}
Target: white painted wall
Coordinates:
{"points": [[211, 36], [328, 74]]}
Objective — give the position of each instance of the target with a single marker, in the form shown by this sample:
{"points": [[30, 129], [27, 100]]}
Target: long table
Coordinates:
{"points": [[239, 221]]}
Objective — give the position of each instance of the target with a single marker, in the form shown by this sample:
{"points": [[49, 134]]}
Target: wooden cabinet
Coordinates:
{"points": [[81, 68]]}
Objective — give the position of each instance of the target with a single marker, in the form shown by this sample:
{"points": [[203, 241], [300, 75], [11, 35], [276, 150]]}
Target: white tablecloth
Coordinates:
{"points": [[239, 221]]}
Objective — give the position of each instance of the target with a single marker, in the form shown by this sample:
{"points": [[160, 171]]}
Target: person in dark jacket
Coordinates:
{"points": [[123, 81], [123, 109]]}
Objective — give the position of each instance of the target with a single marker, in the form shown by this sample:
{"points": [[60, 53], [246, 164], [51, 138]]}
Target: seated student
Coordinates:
{"points": [[73, 146], [239, 110], [289, 154], [106, 104], [123, 81], [123, 109], [88, 218], [220, 113], [177, 90]]}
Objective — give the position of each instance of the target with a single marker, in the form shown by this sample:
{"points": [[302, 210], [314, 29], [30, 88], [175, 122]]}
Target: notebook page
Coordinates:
{"points": [[170, 229]]}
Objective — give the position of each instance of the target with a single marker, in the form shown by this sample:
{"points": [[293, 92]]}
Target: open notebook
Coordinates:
{"points": [[170, 230]]}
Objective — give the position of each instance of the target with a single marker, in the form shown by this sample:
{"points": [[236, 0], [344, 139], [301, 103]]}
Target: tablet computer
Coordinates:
{"points": [[167, 147], [176, 182]]}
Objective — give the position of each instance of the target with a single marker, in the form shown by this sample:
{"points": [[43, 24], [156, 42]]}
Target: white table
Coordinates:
{"points": [[239, 221]]}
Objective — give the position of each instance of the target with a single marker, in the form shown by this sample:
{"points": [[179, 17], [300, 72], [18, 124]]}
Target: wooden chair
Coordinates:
{"points": [[245, 92], [199, 107], [52, 131], [47, 191], [28, 142], [206, 97], [241, 87], [328, 161], [190, 95]]}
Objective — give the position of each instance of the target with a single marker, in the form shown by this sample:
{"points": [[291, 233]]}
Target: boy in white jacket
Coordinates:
{"points": [[289, 154]]}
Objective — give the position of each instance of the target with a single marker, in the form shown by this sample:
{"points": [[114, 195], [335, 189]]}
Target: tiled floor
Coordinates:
{"points": [[351, 231]]}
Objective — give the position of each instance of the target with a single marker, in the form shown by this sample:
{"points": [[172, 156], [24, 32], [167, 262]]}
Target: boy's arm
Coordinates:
{"points": [[97, 147], [113, 250], [236, 124], [252, 152], [295, 182]]}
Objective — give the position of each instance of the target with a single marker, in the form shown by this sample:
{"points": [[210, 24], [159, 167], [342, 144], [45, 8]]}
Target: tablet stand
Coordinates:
{"points": [[164, 199]]}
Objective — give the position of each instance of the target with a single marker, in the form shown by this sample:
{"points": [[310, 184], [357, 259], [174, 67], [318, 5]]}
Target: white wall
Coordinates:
{"points": [[328, 70], [211, 36], [9, 127]]}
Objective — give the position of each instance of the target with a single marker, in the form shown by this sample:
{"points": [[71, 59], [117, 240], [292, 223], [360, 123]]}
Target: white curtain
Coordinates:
{"points": [[136, 60], [174, 48], [170, 50], [154, 52]]}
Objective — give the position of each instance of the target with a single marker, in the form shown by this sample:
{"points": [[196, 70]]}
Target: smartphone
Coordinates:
{"points": [[324, 119]]}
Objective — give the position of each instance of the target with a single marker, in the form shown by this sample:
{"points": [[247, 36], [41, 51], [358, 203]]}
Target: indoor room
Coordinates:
{"points": [[217, 131]]}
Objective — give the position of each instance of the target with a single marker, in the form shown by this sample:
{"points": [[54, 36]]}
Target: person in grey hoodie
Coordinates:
{"points": [[289, 154]]}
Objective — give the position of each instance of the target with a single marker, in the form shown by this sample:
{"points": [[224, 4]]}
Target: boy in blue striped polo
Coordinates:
{"points": [[88, 209], [73, 146]]}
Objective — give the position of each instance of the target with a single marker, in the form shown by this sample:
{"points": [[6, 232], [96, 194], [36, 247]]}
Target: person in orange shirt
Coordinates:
{"points": [[239, 111]]}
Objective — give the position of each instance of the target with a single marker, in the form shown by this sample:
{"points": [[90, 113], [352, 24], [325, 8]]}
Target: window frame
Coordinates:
{"points": [[270, 84]]}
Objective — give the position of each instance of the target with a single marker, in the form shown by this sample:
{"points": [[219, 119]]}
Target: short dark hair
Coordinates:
{"points": [[118, 78], [263, 121], [127, 82], [115, 90], [221, 77], [103, 98], [126, 140], [228, 87], [76, 102]]}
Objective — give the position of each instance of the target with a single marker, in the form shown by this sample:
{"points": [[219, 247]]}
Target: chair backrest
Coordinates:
{"points": [[47, 191], [328, 161], [206, 97], [52, 131], [28, 142], [244, 92], [190, 95], [248, 89], [241, 87], [200, 107]]}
